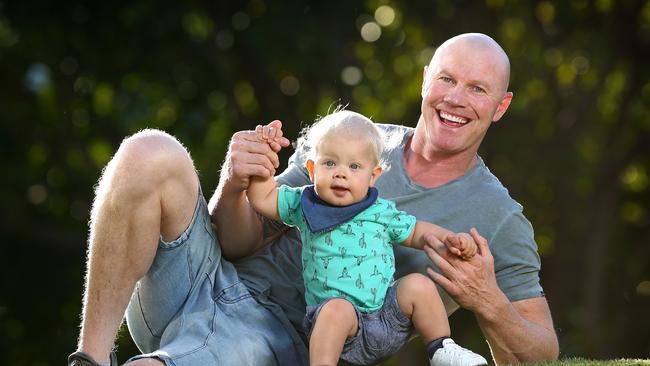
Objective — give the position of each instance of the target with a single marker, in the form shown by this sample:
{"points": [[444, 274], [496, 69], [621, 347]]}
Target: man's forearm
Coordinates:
{"points": [[238, 226], [518, 332]]}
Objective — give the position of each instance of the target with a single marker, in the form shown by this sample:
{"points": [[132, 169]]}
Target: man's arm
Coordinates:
{"points": [[517, 332], [238, 226], [520, 331]]}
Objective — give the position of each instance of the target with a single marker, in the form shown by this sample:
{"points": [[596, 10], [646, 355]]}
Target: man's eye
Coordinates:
{"points": [[447, 80], [478, 89], [329, 163], [355, 166]]}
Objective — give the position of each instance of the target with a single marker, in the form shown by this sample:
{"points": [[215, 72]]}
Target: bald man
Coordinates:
{"points": [[152, 240]]}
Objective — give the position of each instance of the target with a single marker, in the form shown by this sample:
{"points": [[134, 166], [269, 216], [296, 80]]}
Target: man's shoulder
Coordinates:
{"points": [[492, 190], [391, 130], [394, 137]]}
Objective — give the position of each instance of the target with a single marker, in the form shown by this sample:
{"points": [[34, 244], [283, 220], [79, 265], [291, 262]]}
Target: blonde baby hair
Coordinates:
{"points": [[357, 127]]}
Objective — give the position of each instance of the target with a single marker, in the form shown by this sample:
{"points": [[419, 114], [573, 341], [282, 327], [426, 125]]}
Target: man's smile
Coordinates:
{"points": [[451, 120]]}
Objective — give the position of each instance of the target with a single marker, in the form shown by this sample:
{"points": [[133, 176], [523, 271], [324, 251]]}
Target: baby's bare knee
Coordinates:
{"points": [[337, 308], [338, 313], [417, 283]]}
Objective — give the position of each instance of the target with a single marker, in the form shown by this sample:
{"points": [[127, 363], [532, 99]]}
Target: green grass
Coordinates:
{"points": [[586, 362]]}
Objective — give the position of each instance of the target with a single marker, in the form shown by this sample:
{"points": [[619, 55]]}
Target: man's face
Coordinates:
{"points": [[463, 92], [343, 170]]}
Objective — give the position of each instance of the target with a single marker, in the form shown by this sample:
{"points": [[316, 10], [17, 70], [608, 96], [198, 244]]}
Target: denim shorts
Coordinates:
{"points": [[381, 333], [192, 309]]}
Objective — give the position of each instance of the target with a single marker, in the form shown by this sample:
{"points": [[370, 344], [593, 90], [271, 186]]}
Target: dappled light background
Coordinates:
{"points": [[77, 77]]}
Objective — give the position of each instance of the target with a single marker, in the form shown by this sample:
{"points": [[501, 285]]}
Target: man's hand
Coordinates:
{"points": [[248, 155], [238, 227], [519, 331], [461, 244], [471, 283]]}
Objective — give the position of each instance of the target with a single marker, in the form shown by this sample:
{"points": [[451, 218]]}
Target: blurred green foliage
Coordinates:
{"points": [[77, 77]]}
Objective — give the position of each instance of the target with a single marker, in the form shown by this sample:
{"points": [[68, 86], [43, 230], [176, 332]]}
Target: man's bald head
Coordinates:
{"points": [[478, 45]]}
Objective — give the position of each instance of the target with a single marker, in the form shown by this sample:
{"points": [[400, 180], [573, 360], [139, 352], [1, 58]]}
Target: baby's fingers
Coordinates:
{"points": [[274, 133], [262, 132]]}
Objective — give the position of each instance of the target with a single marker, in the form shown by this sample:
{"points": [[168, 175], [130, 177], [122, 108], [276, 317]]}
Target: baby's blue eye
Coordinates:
{"points": [[329, 163], [354, 166]]}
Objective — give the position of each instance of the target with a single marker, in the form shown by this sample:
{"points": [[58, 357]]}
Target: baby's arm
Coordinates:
{"points": [[460, 244], [421, 228], [262, 193]]}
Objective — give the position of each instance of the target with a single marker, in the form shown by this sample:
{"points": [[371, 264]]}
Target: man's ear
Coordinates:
{"points": [[502, 107], [375, 174], [424, 81], [310, 168]]}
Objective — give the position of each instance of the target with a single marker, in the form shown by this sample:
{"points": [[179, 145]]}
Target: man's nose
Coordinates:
{"points": [[454, 96]]}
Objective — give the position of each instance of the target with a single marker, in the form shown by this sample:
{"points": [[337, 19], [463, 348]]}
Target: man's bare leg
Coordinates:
{"points": [[148, 189]]}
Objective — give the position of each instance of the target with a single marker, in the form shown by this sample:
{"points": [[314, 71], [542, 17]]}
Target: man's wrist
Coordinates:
{"points": [[493, 309]]}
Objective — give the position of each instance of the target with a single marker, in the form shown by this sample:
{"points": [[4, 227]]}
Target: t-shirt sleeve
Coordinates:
{"points": [[400, 224], [516, 261], [289, 207]]}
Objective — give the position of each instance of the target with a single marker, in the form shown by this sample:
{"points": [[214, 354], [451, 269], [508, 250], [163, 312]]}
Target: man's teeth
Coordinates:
{"points": [[452, 118]]}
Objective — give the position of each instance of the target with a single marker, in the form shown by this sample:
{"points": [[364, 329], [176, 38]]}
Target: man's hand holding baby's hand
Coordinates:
{"points": [[250, 156], [461, 244]]}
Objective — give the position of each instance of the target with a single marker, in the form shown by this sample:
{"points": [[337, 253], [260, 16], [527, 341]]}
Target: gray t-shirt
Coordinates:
{"points": [[476, 199]]}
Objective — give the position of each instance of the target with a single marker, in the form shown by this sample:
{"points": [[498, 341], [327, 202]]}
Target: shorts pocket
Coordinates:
{"points": [[232, 294], [375, 332]]}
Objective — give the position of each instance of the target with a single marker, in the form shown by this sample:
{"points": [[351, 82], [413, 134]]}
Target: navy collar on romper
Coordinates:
{"points": [[321, 216]]}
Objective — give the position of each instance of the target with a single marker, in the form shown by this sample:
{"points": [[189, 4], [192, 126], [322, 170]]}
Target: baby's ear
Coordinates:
{"points": [[376, 172], [309, 164]]}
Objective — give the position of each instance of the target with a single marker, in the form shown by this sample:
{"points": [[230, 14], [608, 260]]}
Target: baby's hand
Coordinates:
{"points": [[268, 134], [461, 244]]}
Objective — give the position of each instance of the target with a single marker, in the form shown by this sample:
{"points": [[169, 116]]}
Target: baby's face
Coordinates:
{"points": [[343, 170]]}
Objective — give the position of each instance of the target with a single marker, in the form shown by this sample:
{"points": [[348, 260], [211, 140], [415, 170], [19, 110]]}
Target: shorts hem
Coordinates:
{"points": [[182, 238], [159, 355]]}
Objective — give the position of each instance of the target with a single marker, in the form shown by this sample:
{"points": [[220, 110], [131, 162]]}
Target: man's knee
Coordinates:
{"points": [[147, 159], [150, 150]]}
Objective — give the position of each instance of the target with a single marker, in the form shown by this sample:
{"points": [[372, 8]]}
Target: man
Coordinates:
{"points": [[191, 306]]}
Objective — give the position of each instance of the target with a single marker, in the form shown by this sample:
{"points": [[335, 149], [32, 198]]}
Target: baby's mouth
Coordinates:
{"points": [[339, 190]]}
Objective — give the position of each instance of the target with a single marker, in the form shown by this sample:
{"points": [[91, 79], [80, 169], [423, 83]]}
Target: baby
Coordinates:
{"points": [[355, 311]]}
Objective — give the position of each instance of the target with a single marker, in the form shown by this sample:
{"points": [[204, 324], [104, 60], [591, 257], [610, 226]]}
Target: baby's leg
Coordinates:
{"points": [[336, 321], [418, 299]]}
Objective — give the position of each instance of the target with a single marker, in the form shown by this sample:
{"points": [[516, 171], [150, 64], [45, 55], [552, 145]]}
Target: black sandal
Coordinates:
{"points": [[84, 359]]}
